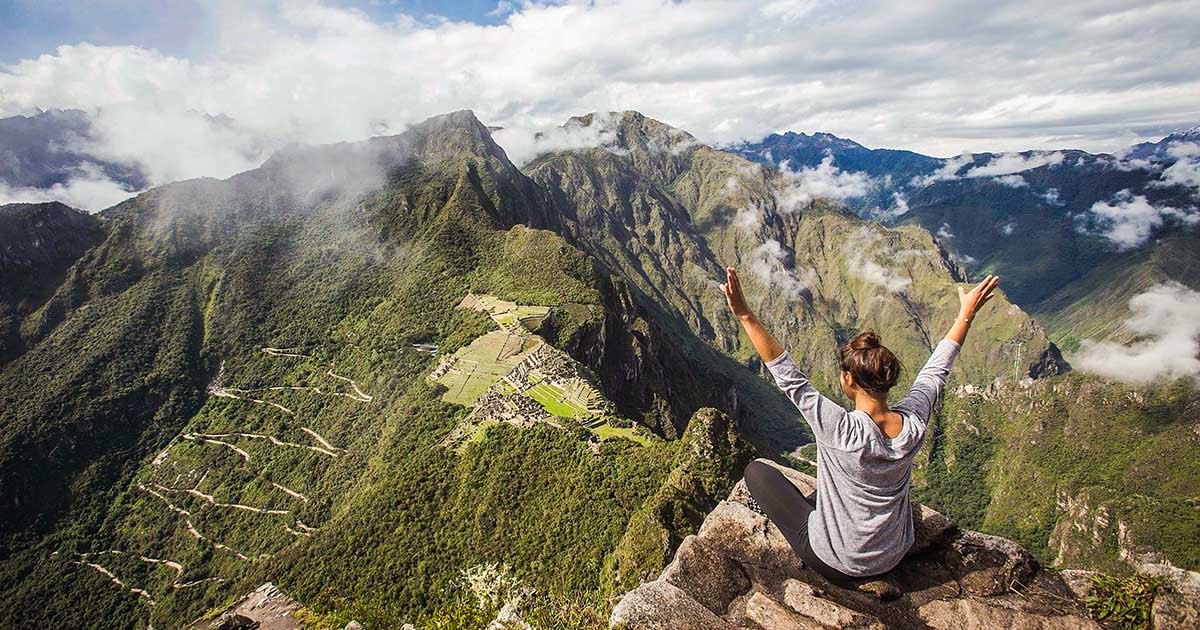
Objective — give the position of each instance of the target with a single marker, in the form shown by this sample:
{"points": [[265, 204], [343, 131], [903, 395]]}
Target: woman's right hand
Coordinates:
{"points": [[971, 301]]}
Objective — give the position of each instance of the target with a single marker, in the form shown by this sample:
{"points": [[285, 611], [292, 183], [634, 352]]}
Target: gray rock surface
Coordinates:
{"points": [[1177, 604], [739, 572], [267, 608]]}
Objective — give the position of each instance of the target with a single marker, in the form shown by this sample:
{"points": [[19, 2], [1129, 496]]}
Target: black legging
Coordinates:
{"points": [[788, 509]]}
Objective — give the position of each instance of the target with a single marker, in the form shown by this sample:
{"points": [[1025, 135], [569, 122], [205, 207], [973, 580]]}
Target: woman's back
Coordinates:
{"points": [[862, 524]]}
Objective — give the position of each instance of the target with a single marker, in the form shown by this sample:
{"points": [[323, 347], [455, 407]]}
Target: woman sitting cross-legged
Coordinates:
{"points": [[859, 523]]}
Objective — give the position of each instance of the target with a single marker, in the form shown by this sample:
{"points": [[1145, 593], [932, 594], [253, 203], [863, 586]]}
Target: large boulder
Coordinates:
{"points": [[1177, 603], [739, 572]]}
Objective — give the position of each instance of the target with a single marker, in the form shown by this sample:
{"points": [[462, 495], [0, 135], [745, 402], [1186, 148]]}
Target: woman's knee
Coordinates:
{"points": [[756, 474]]}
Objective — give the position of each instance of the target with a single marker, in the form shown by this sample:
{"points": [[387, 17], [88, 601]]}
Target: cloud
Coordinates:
{"points": [[88, 189], [1012, 181], [1051, 197], [923, 76], [768, 262], [1129, 220], [824, 181], [524, 144], [1166, 318], [1008, 228], [1009, 163], [948, 171], [1186, 169], [860, 254], [945, 232], [1002, 167]]}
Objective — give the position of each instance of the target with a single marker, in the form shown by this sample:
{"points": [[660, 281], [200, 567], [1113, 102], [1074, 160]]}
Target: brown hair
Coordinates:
{"points": [[874, 367]]}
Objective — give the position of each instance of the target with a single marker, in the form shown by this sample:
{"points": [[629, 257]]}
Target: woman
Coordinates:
{"points": [[860, 523]]}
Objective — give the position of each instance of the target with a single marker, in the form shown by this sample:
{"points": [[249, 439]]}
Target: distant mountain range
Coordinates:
{"points": [[52, 147], [1029, 216]]}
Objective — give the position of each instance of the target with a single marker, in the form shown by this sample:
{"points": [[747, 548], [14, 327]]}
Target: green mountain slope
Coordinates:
{"points": [[237, 386], [1097, 305], [40, 243], [1083, 472], [669, 214]]}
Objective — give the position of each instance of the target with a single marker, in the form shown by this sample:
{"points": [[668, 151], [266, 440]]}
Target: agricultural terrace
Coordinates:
{"points": [[511, 375]]}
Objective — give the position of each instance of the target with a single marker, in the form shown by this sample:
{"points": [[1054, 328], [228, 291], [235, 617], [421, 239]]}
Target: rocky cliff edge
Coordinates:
{"points": [[739, 572]]}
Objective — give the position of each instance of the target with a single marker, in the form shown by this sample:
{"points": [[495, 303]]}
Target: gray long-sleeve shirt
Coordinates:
{"points": [[863, 521]]}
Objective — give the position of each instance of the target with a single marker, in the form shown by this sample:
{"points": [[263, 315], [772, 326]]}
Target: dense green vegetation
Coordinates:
{"points": [[314, 458], [1042, 464]]}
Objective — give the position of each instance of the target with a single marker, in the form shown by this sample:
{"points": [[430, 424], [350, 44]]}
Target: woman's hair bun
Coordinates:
{"points": [[866, 341], [873, 367]]}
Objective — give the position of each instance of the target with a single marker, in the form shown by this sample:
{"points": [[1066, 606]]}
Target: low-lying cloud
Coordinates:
{"points": [[524, 144], [1166, 319], [1186, 169], [1128, 221], [1002, 167], [823, 181], [88, 189], [861, 253], [768, 262]]}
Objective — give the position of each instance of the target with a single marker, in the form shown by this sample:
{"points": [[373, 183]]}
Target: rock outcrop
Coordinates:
{"points": [[739, 572], [267, 608]]}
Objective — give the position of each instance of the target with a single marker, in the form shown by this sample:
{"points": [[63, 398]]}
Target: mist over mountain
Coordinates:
{"points": [[364, 370]]}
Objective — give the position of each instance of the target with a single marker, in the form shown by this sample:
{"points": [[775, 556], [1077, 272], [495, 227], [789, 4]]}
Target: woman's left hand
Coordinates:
{"points": [[734, 296]]}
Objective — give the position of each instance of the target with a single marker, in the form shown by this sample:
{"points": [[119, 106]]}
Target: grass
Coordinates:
{"points": [[608, 432], [554, 399], [482, 363]]}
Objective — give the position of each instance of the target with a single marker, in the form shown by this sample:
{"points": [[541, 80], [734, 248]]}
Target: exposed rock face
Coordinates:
{"points": [[267, 608], [739, 572]]}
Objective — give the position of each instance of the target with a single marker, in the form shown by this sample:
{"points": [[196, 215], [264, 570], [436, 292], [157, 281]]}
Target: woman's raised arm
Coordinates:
{"points": [[767, 346]]}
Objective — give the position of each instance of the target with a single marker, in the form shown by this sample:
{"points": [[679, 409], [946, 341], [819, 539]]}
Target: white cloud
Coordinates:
{"points": [[88, 189], [824, 181], [524, 144], [922, 76], [945, 232], [1008, 228], [1009, 163], [1166, 318], [898, 208], [949, 170], [768, 262], [1186, 169], [1129, 220], [1002, 167], [861, 252], [1051, 197], [1012, 181]]}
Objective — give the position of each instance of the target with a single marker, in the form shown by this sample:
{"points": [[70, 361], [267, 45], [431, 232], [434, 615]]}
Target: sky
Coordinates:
{"points": [[930, 76]]}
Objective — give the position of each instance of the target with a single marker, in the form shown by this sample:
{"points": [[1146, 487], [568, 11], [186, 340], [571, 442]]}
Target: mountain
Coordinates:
{"points": [[1160, 151], [669, 213], [381, 374], [50, 148], [40, 243], [893, 168], [1028, 216]]}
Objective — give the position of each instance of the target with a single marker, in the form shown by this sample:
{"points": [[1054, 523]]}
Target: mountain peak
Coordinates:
{"points": [[636, 132]]}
